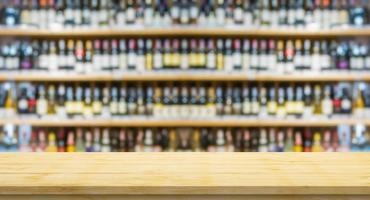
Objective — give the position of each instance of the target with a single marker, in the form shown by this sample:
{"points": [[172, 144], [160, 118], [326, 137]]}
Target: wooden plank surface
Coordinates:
{"points": [[155, 122], [185, 174], [182, 32], [183, 76]]}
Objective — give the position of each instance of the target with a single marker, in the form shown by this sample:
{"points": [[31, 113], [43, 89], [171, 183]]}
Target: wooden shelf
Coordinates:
{"points": [[185, 76], [183, 32], [191, 176], [147, 122]]}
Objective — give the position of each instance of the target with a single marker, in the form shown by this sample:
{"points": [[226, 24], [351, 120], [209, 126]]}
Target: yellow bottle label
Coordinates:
{"points": [[149, 61], [271, 107], [167, 59], [87, 110], [297, 148], [97, 107], [71, 148], [79, 107], [176, 59], [52, 149], [70, 107], [289, 107], [220, 61], [299, 107], [193, 59], [281, 111], [201, 59], [317, 148]]}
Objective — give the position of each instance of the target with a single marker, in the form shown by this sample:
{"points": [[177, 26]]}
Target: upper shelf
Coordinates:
{"points": [[184, 76], [183, 32], [152, 122]]}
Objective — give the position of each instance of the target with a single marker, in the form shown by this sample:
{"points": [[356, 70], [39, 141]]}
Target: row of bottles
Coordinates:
{"points": [[186, 100], [57, 14], [184, 139], [282, 56]]}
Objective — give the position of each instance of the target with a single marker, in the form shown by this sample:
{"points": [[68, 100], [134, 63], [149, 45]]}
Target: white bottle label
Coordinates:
{"points": [[157, 64], [97, 62], [53, 62], [246, 61], [123, 61], [237, 59], [211, 60]]}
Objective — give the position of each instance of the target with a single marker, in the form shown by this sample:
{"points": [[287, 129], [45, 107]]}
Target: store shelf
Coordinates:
{"points": [[191, 176], [184, 76], [183, 32], [150, 122]]}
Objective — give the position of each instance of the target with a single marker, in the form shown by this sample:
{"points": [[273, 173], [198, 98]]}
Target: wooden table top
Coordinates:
{"points": [[185, 173]]}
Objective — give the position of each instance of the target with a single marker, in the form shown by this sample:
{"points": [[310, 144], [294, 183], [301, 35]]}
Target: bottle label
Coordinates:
{"points": [[122, 107], [237, 60], [175, 60], [220, 16], [255, 107], [70, 107], [97, 107], [79, 107], [201, 60], [77, 16], [281, 111], [22, 104], [271, 62], [316, 62], [113, 107], [42, 107], [71, 60], [211, 61], [87, 111], [184, 61], [114, 61], [149, 61], [346, 104], [271, 107], [238, 14], [140, 63], [157, 61], [121, 19], [130, 15], [131, 60], [220, 61], [327, 107], [246, 61], [44, 61], [299, 107], [123, 61], [248, 19], [246, 107], [254, 61], [167, 59], [298, 61], [228, 63], [103, 17], [289, 107], [175, 12]]}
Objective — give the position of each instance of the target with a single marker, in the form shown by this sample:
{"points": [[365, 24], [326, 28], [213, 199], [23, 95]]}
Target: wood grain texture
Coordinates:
{"points": [[182, 76], [153, 122], [185, 174], [183, 197], [182, 32]]}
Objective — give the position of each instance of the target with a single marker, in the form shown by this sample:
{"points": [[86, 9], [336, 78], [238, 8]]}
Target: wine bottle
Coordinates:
{"points": [[42, 102]]}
